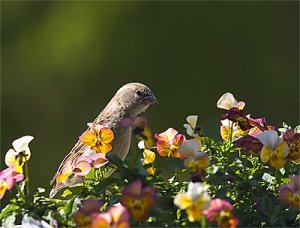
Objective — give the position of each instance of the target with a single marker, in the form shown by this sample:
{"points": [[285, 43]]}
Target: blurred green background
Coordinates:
{"points": [[61, 62]]}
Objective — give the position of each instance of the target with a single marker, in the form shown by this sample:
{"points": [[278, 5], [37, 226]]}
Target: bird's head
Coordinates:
{"points": [[135, 97]]}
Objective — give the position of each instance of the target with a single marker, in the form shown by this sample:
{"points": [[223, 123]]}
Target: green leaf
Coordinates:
{"points": [[66, 193], [9, 209]]}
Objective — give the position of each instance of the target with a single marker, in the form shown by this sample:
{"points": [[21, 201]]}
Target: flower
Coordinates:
{"points": [[98, 138], [290, 193], [228, 127], [274, 149], [220, 212], [90, 207], [8, 177], [79, 166], [250, 143], [99, 160], [191, 127], [138, 200], [168, 143], [197, 161], [227, 101], [194, 201], [293, 141], [148, 158], [116, 217], [237, 116], [141, 130], [19, 154]]}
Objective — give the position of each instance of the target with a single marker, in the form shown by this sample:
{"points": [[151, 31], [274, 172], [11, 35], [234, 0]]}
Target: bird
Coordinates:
{"points": [[129, 101]]}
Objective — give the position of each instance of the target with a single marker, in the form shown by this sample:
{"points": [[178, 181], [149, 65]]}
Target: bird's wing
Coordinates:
{"points": [[76, 151]]}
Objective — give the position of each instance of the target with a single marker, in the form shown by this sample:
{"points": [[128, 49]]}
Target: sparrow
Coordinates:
{"points": [[129, 101]]}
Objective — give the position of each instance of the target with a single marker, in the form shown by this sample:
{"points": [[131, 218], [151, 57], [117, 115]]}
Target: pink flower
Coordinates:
{"points": [[99, 160], [220, 212], [168, 143], [138, 200], [8, 177], [290, 193], [293, 141], [89, 207], [116, 217]]}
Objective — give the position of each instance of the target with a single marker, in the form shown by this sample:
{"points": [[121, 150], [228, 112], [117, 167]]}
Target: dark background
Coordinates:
{"points": [[61, 62]]}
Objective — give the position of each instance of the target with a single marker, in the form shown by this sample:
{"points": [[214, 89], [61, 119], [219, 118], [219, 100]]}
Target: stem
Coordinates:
{"points": [[203, 221], [27, 178]]}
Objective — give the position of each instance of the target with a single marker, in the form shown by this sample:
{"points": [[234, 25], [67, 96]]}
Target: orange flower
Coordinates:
{"points": [[168, 143], [98, 138]]}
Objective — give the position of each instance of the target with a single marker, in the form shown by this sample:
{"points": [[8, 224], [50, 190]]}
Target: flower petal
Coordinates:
{"points": [[268, 138], [106, 135], [149, 157], [167, 136], [10, 157], [163, 148], [99, 160], [226, 101], [178, 139], [277, 162], [189, 148], [22, 143], [88, 138], [82, 168], [192, 120], [104, 148], [265, 154], [282, 150], [182, 200]]}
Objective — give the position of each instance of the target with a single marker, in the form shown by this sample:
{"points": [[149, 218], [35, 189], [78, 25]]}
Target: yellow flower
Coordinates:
{"points": [[194, 201], [274, 149], [19, 154], [98, 138], [149, 157], [194, 159]]}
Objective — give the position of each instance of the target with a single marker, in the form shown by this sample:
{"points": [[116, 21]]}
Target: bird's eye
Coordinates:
{"points": [[139, 93]]}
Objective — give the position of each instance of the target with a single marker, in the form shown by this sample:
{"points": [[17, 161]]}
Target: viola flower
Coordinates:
{"points": [[141, 130], [220, 212], [236, 131], [274, 149], [148, 158], [194, 201], [8, 177], [236, 115], [197, 161], [259, 125], [191, 127], [293, 141], [227, 101], [19, 154], [138, 200], [90, 207], [250, 143], [116, 217], [98, 138], [99, 160], [80, 166], [168, 143], [290, 193]]}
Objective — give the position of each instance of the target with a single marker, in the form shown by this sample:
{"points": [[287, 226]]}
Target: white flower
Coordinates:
{"points": [[227, 101]]}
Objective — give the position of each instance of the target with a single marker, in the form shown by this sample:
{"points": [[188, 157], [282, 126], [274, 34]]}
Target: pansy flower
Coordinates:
{"points": [[290, 193], [231, 129], [250, 143], [293, 141], [168, 143], [197, 161], [220, 212], [98, 138], [8, 177], [149, 158], [84, 216], [274, 149], [194, 201], [99, 160], [237, 116], [227, 101], [138, 200], [19, 154], [116, 217], [80, 166]]}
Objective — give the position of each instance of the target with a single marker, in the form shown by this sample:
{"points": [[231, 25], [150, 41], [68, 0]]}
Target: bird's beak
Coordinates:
{"points": [[151, 99]]}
